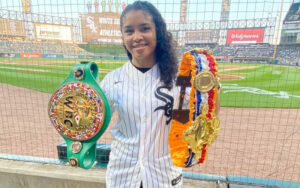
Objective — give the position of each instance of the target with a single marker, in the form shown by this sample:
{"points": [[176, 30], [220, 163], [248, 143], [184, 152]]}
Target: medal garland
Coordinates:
{"points": [[189, 141]]}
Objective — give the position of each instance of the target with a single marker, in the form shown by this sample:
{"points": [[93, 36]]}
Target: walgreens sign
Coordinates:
{"points": [[245, 36]]}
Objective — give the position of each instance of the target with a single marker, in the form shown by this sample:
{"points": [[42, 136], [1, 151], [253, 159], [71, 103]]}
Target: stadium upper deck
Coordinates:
{"points": [[290, 33]]}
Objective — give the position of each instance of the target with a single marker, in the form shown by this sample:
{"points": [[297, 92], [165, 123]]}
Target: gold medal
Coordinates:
{"points": [[190, 134], [202, 131], [205, 81]]}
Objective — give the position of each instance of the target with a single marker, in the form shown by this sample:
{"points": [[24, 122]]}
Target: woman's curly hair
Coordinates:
{"points": [[165, 52]]}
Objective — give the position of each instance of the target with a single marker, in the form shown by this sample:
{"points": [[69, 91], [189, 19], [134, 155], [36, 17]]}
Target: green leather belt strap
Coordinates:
{"points": [[80, 112], [85, 158]]}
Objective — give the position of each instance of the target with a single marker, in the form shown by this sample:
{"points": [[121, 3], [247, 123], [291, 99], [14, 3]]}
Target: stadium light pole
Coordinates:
{"points": [[278, 30]]}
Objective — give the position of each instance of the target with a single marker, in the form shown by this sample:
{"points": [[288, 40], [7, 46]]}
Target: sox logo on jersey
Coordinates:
{"points": [[168, 99]]}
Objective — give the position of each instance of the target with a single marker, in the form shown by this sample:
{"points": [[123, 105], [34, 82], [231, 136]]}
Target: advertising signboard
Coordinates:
{"points": [[245, 36], [53, 32], [30, 55], [101, 27]]}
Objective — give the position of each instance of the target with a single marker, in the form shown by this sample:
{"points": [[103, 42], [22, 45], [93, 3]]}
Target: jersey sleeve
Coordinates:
{"points": [[106, 86]]}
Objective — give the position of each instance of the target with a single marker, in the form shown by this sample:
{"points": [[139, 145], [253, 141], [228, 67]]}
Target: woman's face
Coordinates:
{"points": [[139, 36]]}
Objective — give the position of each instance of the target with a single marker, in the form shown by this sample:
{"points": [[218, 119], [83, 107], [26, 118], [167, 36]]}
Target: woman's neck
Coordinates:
{"points": [[149, 63]]}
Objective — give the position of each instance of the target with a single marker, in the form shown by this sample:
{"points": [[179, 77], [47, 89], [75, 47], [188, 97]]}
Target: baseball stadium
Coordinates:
{"points": [[256, 45]]}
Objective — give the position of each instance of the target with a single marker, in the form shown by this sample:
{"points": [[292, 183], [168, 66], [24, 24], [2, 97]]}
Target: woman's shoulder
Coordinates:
{"points": [[118, 70], [114, 74]]}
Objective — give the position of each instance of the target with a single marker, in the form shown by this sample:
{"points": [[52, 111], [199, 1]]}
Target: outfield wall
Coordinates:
{"points": [[20, 174], [24, 174]]}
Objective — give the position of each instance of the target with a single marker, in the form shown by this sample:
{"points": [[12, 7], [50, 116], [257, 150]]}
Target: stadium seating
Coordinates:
{"points": [[262, 52], [44, 48], [252, 52], [288, 54]]}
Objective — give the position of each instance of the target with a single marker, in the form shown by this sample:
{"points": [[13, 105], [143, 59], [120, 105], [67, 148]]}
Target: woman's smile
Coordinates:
{"points": [[139, 47]]}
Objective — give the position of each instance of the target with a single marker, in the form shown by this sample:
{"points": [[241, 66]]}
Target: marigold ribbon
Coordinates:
{"points": [[183, 152]]}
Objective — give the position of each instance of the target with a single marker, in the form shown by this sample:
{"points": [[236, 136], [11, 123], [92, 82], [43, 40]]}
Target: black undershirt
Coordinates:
{"points": [[143, 70]]}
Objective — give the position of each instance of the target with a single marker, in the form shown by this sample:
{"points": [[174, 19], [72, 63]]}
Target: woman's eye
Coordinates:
{"points": [[145, 28], [128, 31]]}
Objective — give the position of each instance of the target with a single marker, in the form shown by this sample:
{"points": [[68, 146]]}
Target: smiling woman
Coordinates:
{"points": [[143, 92]]}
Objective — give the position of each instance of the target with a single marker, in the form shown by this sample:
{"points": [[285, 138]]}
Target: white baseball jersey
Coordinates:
{"points": [[139, 148]]}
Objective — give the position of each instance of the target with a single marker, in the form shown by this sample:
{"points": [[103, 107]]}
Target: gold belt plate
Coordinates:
{"points": [[77, 111]]}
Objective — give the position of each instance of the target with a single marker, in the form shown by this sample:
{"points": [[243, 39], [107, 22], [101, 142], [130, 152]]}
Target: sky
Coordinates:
{"points": [[198, 10]]}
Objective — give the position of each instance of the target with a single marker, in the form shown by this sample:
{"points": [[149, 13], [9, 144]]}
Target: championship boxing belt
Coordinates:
{"points": [[80, 113], [194, 129]]}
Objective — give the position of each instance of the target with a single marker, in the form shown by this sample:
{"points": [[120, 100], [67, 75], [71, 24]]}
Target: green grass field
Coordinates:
{"points": [[104, 48], [260, 85]]}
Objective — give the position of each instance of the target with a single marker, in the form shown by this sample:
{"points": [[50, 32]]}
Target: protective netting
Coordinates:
{"points": [[256, 44]]}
